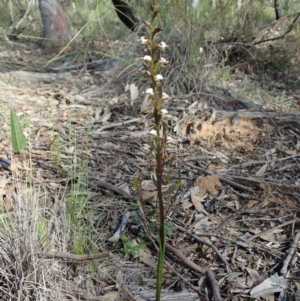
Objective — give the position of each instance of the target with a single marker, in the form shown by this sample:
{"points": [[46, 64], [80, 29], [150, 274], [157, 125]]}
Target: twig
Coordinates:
{"points": [[196, 289], [257, 182], [225, 222], [272, 229], [250, 163], [283, 35], [78, 296], [209, 245], [221, 178], [204, 270], [245, 196], [76, 257], [286, 262], [243, 102], [123, 194], [113, 125], [255, 114], [124, 288]]}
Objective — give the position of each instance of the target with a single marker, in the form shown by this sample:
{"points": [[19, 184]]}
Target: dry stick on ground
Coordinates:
{"points": [[236, 214], [257, 182], [204, 270], [254, 182], [195, 288], [112, 125], [209, 245], [250, 163], [222, 178], [286, 262], [272, 229], [280, 117], [121, 193], [124, 288], [81, 296], [245, 103], [75, 257]]}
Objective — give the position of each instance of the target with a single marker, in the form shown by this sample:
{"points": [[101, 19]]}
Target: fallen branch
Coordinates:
{"points": [[255, 114], [113, 125], [286, 262], [197, 238], [121, 193], [221, 178], [65, 255], [272, 229], [204, 270]]}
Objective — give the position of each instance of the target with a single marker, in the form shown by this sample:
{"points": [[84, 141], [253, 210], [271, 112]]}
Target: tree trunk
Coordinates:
{"points": [[56, 27], [125, 14], [278, 10]]}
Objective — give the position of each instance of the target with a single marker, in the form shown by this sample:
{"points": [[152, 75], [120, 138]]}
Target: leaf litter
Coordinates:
{"points": [[237, 212]]}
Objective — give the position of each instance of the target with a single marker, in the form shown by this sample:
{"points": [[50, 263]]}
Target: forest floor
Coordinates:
{"points": [[237, 147]]}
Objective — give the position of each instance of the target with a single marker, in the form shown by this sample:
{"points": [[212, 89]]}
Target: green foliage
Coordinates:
{"points": [[77, 205], [18, 139], [169, 227], [132, 247], [136, 184], [137, 215], [170, 190], [42, 231], [80, 228]]}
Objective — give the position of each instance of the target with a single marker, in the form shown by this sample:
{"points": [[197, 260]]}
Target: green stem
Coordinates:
{"points": [[159, 177], [160, 142], [162, 234]]}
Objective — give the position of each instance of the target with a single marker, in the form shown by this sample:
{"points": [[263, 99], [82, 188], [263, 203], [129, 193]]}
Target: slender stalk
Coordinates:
{"points": [[152, 62], [162, 231]]}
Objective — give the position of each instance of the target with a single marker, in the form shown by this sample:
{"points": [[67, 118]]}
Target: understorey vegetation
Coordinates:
{"points": [[149, 150]]}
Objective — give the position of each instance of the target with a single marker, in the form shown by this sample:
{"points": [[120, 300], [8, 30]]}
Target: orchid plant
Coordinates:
{"points": [[152, 63]]}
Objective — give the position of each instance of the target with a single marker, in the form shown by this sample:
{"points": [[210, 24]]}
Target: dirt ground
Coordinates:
{"points": [[237, 210]]}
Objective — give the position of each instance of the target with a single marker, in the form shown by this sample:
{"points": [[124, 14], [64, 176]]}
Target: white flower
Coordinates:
{"points": [[161, 46], [163, 61], [158, 77], [165, 96], [143, 40], [164, 111], [147, 58], [153, 132], [150, 91]]}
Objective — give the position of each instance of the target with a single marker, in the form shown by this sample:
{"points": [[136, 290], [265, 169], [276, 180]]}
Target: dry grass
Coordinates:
{"points": [[24, 238]]}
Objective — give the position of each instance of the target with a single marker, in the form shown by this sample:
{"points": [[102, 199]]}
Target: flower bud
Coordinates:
{"points": [[161, 46], [165, 96], [158, 77], [150, 91], [143, 40], [163, 61], [147, 58]]}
